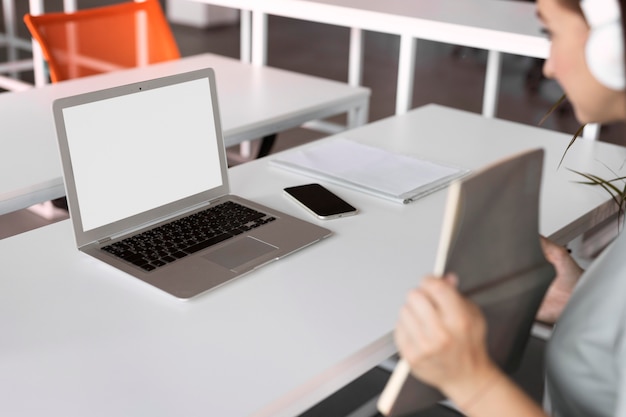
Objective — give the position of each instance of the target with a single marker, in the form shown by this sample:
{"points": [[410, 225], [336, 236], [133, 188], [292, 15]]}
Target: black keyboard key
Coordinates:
{"points": [[138, 261]]}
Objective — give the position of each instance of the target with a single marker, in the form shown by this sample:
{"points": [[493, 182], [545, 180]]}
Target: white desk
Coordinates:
{"points": [[499, 26], [254, 102], [81, 339]]}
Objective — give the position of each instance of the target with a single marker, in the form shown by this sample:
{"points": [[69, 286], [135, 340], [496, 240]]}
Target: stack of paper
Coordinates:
{"points": [[373, 170]]}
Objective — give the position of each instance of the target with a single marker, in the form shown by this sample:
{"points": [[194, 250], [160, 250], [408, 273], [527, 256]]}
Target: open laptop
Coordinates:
{"points": [[146, 179]]}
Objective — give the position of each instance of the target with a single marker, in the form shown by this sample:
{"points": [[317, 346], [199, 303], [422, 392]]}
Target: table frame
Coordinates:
{"points": [[526, 41], [13, 45]]}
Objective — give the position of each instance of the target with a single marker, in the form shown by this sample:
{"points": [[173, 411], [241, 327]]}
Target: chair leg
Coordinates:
{"points": [[266, 145]]}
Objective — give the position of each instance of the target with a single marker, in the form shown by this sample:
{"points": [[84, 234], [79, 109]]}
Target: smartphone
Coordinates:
{"points": [[321, 202]]}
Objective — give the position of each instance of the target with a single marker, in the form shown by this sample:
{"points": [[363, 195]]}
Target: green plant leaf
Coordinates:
{"points": [[552, 109], [617, 195], [571, 142], [576, 135], [595, 180]]}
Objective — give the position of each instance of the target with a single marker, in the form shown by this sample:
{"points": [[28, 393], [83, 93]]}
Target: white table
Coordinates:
{"points": [[254, 102], [499, 26], [81, 339]]}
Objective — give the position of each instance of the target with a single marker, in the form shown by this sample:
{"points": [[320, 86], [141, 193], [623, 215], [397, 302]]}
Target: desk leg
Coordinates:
{"points": [[245, 45], [69, 6], [259, 38], [258, 56], [492, 84], [39, 69], [35, 8], [359, 115], [406, 71], [355, 63], [355, 74], [9, 27]]}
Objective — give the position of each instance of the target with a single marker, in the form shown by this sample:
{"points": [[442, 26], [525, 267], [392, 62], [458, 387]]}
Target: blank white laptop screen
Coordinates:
{"points": [[109, 155]]}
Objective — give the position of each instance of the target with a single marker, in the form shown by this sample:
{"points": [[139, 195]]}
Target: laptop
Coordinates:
{"points": [[146, 181]]}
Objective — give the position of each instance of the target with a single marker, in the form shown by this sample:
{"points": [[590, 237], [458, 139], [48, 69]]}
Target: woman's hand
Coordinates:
{"points": [[442, 336], [568, 273]]}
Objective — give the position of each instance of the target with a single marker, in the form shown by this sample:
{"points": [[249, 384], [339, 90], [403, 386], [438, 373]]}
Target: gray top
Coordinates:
{"points": [[586, 356]]}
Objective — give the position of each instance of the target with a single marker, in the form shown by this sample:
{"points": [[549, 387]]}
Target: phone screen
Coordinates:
{"points": [[322, 202]]}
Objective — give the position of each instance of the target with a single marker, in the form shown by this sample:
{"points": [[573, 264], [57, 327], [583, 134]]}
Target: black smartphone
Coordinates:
{"points": [[321, 202]]}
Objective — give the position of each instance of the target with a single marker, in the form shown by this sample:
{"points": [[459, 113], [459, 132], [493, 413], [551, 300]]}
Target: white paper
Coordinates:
{"points": [[370, 169]]}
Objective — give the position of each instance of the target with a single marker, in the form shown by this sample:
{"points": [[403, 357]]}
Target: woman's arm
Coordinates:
{"points": [[568, 273], [442, 336]]}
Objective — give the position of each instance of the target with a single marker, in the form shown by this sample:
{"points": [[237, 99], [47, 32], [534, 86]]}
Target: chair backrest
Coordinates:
{"points": [[103, 39]]}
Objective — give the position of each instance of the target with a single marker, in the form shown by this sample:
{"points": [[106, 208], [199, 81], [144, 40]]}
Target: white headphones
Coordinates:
{"points": [[605, 47]]}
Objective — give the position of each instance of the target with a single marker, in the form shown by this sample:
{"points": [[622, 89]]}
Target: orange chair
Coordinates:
{"points": [[103, 39]]}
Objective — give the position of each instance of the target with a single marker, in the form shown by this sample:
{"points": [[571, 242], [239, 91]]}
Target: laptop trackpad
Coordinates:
{"points": [[240, 252]]}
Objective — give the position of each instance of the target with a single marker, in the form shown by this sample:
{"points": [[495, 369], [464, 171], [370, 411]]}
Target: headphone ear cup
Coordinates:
{"points": [[604, 54]]}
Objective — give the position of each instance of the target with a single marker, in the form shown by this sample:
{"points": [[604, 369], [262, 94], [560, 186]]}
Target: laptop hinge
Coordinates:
{"points": [[102, 241]]}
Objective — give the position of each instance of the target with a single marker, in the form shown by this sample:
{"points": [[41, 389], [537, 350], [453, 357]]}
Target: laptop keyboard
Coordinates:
{"points": [[175, 240]]}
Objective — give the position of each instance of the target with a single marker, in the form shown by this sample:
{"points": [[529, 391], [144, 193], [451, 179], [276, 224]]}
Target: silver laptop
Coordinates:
{"points": [[146, 179]]}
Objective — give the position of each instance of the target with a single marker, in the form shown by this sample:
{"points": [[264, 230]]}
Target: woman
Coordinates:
{"points": [[442, 335]]}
